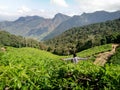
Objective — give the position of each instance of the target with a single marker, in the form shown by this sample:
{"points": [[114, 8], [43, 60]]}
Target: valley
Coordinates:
{"points": [[27, 63]]}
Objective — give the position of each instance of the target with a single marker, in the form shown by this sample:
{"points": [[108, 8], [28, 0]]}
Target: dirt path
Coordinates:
{"points": [[103, 57]]}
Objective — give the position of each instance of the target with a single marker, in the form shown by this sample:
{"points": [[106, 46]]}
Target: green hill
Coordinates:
{"points": [[81, 38], [7, 39], [95, 50], [30, 68]]}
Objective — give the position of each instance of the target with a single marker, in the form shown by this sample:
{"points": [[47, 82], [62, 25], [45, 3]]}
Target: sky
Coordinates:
{"points": [[12, 9]]}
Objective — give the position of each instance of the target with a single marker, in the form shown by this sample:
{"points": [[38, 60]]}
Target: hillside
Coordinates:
{"points": [[7, 39], [33, 26], [80, 38], [44, 28], [82, 20], [29, 68]]}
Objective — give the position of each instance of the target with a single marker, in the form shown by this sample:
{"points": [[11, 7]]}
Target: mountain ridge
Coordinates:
{"points": [[83, 19], [32, 26], [42, 28]]}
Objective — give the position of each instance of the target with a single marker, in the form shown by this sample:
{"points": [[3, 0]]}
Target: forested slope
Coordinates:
{"points": [[80, 38], [7, 39]]}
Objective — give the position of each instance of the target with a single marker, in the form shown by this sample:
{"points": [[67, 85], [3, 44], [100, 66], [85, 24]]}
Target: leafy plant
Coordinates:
{"points": [[30, 68]]}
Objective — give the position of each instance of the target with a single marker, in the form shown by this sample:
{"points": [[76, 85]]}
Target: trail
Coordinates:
{"points": [[103, 57]]}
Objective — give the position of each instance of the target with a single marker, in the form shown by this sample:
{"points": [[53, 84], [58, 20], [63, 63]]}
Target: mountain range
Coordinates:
{"points": [[46, 28], [33, 26], [84, 19]]}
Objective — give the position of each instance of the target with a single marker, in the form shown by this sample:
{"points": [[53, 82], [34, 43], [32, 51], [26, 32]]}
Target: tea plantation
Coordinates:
{"points": [[33, 69]]}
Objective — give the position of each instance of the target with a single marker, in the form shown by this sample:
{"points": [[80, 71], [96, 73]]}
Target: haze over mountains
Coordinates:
{"points": [[84, 19], [33, 26], [42, 28]]}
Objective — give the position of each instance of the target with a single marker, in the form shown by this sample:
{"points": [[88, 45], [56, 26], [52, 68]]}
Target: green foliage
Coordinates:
{"points": [[7, 39], [81, 38], [95, 50], [87, 76], [25, 68], [115, 59], [29, 68]]}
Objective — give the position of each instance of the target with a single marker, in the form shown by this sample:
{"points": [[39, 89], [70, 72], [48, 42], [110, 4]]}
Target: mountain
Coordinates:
{"points": [[43, 28], [80, 38], [84, 19], [33, 26], [2, 18]]}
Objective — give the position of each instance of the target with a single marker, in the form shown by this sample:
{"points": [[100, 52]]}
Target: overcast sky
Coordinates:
{"points": [[12, 9]]}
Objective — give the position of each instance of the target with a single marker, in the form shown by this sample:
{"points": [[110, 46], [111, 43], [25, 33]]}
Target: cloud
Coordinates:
{"points": [[3, 8], [24, 9], [75, 7], [96, 5], [61, 3]]}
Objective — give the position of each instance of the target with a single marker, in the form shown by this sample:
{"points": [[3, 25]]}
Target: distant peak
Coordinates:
{"points": [[59, 14], [27, 18], [102, 11], [94, 13], [33, 17]]}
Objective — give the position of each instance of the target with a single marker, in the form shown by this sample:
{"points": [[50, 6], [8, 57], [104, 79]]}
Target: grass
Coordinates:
{"points": [[95, 50]]}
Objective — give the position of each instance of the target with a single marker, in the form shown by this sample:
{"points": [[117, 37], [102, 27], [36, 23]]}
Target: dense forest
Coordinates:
{"points": [[81, 38], [7, 39]]}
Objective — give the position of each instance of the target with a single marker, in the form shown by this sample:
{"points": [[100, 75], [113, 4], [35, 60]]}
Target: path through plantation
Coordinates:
{"points": [[103, 57]]}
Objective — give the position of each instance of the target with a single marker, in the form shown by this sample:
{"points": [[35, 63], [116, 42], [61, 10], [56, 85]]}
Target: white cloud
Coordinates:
{"points": [[96, 5], [3, 7], [61, 3], [42, 10], [24, 9], [25, 12], [30, 12], [12, 11]]}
